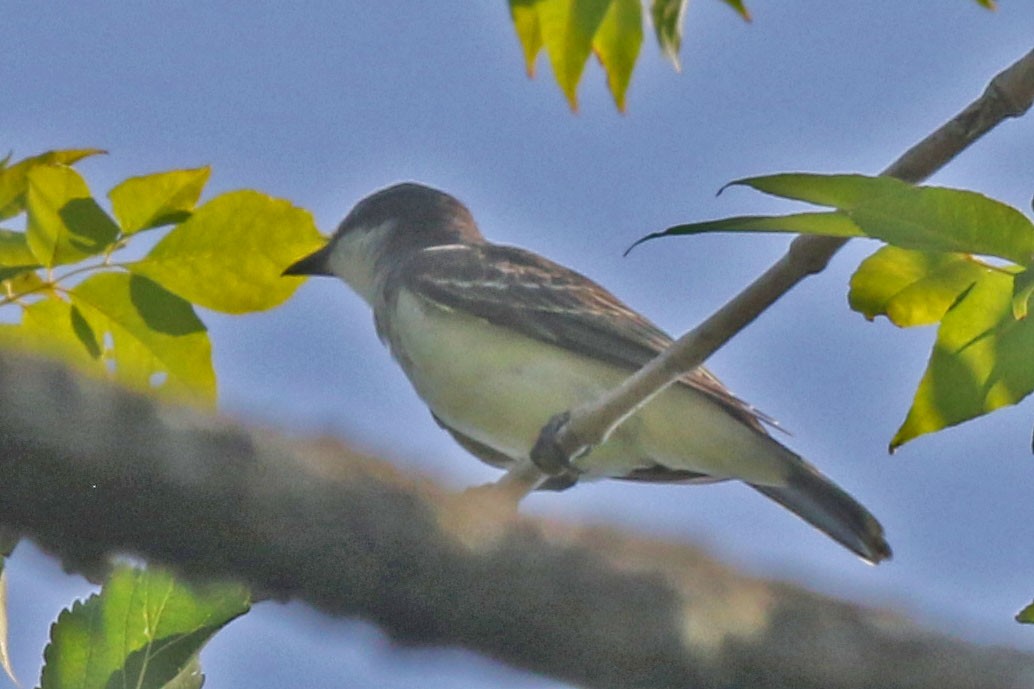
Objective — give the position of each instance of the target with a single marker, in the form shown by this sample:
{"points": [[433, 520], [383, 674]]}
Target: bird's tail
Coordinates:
{"points": [[827, 507]]}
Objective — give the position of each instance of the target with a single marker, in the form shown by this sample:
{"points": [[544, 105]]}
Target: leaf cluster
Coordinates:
{"points": [[572, 30], [953, 258], [136, 319], [75, 291]]}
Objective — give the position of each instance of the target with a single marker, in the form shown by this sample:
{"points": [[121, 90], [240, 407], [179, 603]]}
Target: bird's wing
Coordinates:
{"points": [[525, 292]]}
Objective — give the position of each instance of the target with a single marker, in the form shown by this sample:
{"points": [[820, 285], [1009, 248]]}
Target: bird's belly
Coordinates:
{"points": [[500, 387]]}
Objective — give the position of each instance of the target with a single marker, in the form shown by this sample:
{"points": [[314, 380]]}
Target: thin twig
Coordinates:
{"points": [[1009, 94]]}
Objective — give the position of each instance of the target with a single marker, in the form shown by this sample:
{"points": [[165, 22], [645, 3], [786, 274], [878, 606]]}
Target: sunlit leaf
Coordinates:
{"points": [[913, 217], [980, 361], [1022, 289], [65, 223], [525, 17], [164, 198], [143, 630], [13, 182], [14, 249], [229, 255], [54, 328], [158, 342], [1026, 615], [617, 45], [911, 287], [15, 257], [568, 28]]}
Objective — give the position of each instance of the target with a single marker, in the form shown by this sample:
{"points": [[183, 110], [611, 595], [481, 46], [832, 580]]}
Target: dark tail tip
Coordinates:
{"points": [[827, 507]]}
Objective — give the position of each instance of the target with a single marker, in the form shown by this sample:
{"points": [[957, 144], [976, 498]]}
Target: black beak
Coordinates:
{"points": [[313, 264]]}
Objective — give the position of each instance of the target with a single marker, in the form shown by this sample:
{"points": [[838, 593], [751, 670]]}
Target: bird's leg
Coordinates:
{"points": [[549, 453]]}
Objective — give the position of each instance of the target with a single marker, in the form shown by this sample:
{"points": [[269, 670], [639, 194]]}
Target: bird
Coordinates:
{"points": [[497, 340]]}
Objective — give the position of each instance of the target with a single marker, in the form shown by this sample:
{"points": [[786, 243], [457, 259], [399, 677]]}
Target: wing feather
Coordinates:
{"points": [[525, 292]]}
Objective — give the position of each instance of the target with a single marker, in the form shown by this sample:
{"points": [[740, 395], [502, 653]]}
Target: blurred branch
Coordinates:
{"points": [[1009, 94], [88, 468]]}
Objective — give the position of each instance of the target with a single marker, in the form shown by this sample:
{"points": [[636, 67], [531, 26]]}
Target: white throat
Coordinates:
{"points": [[356, 257]]}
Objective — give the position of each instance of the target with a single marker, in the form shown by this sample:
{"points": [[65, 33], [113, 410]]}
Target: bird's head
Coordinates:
{"points": [[383, 229]]}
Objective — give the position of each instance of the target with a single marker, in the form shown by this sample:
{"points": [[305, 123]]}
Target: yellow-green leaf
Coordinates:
{"points": [[14, 249], [617, 45], [54, 328], [15, 257], [158, 342], [143, 630], [1026, 616], [525, 17], [911, 287], [980, 361], [568, 28], [571, 30], [13, 178], [913, 217], [229, 255], [1022, 289], [164, 198], [65, 223]]}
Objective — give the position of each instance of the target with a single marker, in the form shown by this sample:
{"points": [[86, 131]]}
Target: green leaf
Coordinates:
{"points": [[15, 256], [617, 45], [571, 30], [143, 630], [668, 17], [568, 28], [14, 249], [911, 287], [190, 677], [229, 255], [158, 342], [980, 360], [921, 218], [54, 328], [164, 198], [13, 183], [65, 223], [741, 9], [1023, 287], [1026, 615], [828, 224], [525, 17]]}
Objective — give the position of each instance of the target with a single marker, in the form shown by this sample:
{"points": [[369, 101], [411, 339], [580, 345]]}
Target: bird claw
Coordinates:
{"points": [[549, 455]]}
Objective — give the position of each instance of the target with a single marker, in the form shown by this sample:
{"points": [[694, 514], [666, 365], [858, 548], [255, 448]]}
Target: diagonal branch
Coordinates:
{"points": [[572, 433], [88, 468]]}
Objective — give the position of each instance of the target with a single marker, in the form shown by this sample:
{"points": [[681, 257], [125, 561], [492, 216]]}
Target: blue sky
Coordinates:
{"points": [[326, 101]]}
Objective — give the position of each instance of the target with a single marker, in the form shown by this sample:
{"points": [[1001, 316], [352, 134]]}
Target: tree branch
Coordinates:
{"points": [[572, 433], [88, 468]]}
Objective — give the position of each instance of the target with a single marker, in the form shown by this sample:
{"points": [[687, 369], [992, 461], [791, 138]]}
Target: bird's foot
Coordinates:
{"points": [[551, 456]]}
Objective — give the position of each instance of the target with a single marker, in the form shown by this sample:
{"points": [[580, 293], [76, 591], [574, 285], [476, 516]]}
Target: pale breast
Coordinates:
{"points": [[499, 388]]}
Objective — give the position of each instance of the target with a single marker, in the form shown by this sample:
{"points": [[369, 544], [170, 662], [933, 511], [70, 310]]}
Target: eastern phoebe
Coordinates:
{"points": [[497, 340]]}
